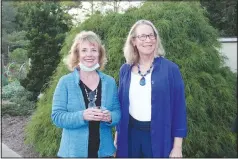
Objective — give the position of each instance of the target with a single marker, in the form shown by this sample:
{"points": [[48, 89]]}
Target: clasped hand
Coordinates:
{"points": [[94, 114]]}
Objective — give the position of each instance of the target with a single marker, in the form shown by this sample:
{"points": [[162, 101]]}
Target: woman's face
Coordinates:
{"points": [[88, 53], [145, 40]]}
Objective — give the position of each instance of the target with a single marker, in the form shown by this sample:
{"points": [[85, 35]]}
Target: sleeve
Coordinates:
{"points": [[116, 111], [60, 115], [120, 92], [179, 116]]}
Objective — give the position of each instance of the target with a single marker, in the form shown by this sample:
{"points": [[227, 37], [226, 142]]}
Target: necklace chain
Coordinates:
{"points": [[142, 80], [95, 96], [147, 72]]}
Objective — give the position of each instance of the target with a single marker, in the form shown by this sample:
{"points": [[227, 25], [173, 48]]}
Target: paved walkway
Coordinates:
{"points": [[7, 152]]}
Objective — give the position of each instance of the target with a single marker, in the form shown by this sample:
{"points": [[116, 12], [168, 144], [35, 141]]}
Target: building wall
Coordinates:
{"points": [[229, 49]]}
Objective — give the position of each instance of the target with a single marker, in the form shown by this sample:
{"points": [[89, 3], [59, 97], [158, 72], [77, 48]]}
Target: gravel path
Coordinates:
{"points": [[13, 135]]}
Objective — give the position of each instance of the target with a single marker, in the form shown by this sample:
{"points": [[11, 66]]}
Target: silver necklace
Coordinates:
{"points": [[91, 96]]}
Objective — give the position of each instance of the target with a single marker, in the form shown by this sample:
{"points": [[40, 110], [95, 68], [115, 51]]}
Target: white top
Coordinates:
{"points": [[140, 98]]}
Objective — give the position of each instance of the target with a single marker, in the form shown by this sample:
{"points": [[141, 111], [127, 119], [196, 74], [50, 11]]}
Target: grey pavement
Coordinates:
{"points": [[7, 152]]}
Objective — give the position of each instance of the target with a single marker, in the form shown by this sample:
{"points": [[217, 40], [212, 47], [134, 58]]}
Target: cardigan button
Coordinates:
{"points": [[152, 82]]}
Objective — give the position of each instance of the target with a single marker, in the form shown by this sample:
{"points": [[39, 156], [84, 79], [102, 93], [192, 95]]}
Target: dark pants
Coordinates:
{"points": [[139, 139]]}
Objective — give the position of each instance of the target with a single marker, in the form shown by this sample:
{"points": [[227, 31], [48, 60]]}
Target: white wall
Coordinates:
{"points": [[229, 49]]}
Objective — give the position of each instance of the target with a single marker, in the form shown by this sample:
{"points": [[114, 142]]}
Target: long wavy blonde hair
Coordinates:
{"points": [[72, 59], [131, 53]]}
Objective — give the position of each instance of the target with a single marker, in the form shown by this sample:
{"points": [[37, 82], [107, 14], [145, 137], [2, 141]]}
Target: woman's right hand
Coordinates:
{"points": [[93, 114]]}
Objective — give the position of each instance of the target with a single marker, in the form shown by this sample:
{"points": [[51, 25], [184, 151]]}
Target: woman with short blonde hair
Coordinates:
{"points": [[85, 102], [72, 60]]}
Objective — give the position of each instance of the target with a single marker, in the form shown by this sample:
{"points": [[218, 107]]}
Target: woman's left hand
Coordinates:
{"points": [[176, 152], [107, 116]]}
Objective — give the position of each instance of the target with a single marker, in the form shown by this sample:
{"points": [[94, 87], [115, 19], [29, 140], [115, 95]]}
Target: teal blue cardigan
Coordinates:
{"points": [[67, 113]]}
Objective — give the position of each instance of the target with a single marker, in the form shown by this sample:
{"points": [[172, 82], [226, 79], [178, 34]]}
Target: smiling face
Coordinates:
{"points": [[88, 53], [145, 39]]}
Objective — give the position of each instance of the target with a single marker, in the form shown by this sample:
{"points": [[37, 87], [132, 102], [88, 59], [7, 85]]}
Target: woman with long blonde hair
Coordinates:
{"points": [[151, 93]]}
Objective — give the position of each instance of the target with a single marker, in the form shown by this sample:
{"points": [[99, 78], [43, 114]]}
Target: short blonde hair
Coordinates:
{"points": [[131, 53], [72, 60]]}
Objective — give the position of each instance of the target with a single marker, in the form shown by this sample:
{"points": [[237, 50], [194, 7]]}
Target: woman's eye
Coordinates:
{"points": [[143, 36]]}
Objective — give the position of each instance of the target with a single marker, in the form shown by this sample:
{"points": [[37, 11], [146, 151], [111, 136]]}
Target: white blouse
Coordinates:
{"points": [[140, 98]]}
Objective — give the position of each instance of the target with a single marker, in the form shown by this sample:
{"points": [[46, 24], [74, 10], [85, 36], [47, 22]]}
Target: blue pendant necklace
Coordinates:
{"points": [[142, 80]]}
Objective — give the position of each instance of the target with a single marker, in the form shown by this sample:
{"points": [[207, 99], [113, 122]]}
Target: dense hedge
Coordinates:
{"points": [[189, 41]]}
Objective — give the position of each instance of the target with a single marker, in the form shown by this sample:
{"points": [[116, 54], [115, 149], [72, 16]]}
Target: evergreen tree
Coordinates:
{"points": [[46, 25], [222, 15]]}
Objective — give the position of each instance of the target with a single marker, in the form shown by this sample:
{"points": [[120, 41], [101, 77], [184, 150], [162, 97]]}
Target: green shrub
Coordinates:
{"points": [[20, 107], [189, 41], [11, 90], [19, 55], [14, 91], [4, 80], [21, 100], [23, 95]]}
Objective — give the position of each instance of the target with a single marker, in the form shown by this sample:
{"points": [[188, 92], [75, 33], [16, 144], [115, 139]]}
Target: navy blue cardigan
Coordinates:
{"points": [[168, 112]]}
